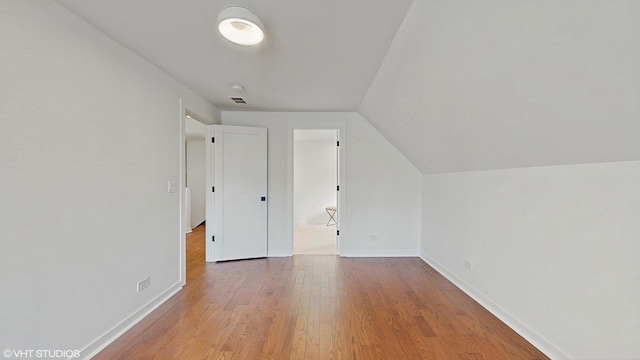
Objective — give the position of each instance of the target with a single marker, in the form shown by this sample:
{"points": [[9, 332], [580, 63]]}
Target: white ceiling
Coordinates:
{"points": [[318, 55], [454, 85], [477, 85]]}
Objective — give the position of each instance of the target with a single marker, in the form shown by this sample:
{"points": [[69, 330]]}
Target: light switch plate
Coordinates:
{"points": [[171, 187]]}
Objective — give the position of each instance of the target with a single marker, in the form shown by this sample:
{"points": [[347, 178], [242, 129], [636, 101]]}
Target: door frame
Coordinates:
{"points": [[342, 194], [182, 182], [209, 168]]}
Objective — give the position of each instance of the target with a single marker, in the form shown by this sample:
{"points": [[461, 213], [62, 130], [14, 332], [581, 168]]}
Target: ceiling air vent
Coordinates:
{"points": [[237, 100]]}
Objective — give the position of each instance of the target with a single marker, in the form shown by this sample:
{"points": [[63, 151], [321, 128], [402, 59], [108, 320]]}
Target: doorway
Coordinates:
{"points": [[195, 166], [194, 195], [315, 191]]}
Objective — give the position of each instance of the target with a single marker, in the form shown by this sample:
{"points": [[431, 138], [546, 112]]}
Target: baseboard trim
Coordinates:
{"points": [[537, 340], [392, 253], [111, 335]]}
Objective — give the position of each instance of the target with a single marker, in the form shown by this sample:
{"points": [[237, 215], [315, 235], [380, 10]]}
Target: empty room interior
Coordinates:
{"points": [[315, 191], [482, 200]]}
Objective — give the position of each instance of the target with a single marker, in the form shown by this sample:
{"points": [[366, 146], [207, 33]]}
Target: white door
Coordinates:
{"points": [[240, 193]]}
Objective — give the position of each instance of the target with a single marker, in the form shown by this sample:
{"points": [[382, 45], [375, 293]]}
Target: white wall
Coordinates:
{"points": [[89, 138], [555, 251], [381, 190], [314, 180], [479, 85], [196, 180]]}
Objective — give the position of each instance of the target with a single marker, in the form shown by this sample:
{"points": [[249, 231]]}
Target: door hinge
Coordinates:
{"points": [[338, 232], [338, 143], [213, 140], [338, 188], [213, 238], [213, 189]]}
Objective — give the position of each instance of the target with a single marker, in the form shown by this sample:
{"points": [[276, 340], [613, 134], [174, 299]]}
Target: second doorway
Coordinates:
{"points": [[315, 191]]}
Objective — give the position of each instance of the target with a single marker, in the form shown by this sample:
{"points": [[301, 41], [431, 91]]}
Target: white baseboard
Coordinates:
{"points": [[353, 254], [280, 256], [382, 253], [537, 340], [110, 336]]}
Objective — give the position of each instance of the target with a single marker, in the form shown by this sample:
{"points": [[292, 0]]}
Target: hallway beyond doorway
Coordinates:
{"points": [[314, 239]]}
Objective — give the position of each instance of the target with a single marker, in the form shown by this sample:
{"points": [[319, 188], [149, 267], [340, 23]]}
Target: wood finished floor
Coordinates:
{"points": [[317, 307]]}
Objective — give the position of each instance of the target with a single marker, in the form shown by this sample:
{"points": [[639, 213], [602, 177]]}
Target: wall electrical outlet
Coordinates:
{"points": [[143, 284], [468, 265], [373, 237]]}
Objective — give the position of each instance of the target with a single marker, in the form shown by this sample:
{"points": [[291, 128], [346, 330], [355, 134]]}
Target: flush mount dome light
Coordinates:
{"points": [[241, 26]]}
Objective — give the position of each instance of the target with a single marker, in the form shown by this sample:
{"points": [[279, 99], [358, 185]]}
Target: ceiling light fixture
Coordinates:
{"points": [[240, 25], [237, 87]]}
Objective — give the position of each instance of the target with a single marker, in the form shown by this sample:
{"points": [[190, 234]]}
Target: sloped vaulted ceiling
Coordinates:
{"points": [[465, 85], [476, 85], [318, 55]]}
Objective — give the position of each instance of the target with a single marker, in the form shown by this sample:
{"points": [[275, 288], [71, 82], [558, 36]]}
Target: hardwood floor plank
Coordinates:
{"points": [[317, 307], [300, 335], [326, 341]]}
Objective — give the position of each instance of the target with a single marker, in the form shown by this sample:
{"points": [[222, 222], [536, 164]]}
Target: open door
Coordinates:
{"points": [[239, 193]]}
